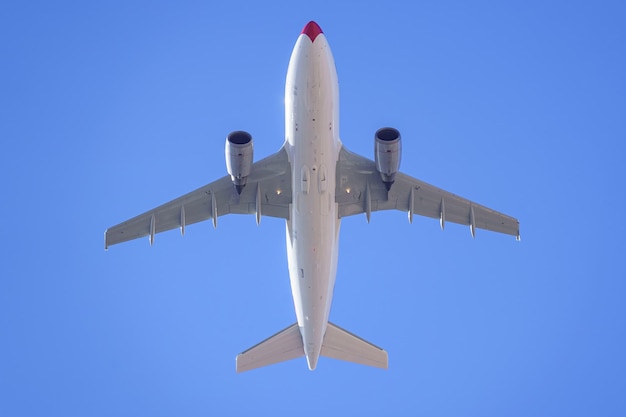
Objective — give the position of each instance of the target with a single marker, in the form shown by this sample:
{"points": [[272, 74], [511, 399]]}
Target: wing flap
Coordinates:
{"points": [[283, 346]]}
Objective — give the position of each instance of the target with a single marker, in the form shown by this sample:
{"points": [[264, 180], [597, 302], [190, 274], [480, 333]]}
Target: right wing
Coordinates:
{"points": [[267, 192], [361, 190]]}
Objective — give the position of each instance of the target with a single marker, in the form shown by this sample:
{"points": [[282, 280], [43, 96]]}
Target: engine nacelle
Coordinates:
{"points": [[387, 150], [239, 155]]}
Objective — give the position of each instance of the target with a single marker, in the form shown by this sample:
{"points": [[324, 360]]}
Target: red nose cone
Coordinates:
{"points": [[312, 29]]}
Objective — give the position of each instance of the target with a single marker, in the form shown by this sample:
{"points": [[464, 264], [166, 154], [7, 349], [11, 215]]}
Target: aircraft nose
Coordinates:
{"points": [[312, 29]]}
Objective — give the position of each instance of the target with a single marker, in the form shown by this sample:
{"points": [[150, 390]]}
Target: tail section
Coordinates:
{"points": [[283, 346], [343, 345], [287, 344]]}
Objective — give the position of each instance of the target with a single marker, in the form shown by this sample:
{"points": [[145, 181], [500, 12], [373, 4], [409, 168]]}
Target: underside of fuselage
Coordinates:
{"points": [[311, 128]]}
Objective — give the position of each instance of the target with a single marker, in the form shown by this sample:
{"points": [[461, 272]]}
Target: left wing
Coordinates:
{"points": [[267, 192], [361, 190]]}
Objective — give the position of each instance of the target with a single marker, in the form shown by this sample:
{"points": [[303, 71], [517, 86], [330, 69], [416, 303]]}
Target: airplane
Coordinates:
{"points": [[312, 182]]}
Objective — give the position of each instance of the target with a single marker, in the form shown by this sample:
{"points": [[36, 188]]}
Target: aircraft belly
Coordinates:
{"points": [[311, 125], [314, 226]]}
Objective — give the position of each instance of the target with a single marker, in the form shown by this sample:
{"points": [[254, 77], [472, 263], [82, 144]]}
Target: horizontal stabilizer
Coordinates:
{"points": [[283, 346], [343, 345]]}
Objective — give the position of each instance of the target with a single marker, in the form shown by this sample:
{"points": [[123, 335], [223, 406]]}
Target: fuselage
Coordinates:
{"points": [[313, 144]]}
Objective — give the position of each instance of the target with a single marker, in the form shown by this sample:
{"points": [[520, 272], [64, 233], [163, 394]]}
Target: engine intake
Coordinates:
{"points": [[387, 149], [239, 155]]}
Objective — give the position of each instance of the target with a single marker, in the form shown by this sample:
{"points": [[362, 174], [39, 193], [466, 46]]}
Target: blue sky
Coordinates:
{"points": [[107, 110]]}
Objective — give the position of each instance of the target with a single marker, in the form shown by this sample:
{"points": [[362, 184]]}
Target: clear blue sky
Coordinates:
{"points": [[111, 108]]}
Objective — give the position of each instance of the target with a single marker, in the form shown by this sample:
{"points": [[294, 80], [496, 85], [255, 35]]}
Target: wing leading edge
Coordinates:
{"points": [[268, 192], [360, 190]]}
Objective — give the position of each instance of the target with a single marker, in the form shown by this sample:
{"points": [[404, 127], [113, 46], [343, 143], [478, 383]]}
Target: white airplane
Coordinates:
{"points": [[312, 182]]}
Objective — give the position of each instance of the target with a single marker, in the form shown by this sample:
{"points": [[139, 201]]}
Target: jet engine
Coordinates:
{"points": [[387, 149], [239, 156]]}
